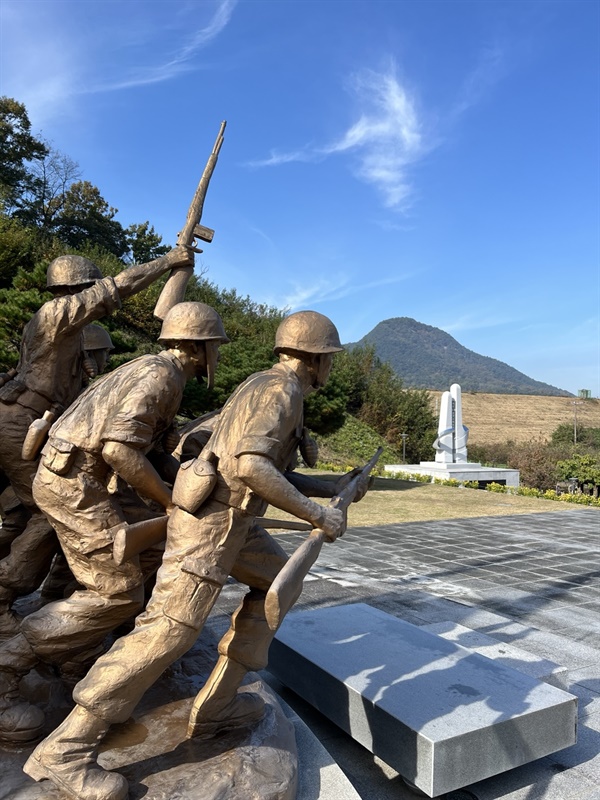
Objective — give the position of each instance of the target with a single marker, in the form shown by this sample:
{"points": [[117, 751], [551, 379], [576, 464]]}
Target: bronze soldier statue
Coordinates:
{"points": [[97, 345], [112, 425], [211, 534], [46, 381]]}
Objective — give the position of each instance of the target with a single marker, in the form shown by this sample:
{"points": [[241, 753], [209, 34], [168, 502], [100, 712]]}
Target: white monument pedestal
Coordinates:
{"points": [[461, 471]]}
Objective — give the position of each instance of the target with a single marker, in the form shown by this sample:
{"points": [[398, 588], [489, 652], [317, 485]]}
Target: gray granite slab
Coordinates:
{"points": [[441, 715], [541, 668]]}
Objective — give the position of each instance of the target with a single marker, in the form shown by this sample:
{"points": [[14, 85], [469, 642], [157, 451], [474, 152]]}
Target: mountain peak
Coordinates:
{"points": [[425, 357]]}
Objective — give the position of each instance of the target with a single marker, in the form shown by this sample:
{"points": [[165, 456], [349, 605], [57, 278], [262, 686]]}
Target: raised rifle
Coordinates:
{"points": [[174, 289], [287, 586]]}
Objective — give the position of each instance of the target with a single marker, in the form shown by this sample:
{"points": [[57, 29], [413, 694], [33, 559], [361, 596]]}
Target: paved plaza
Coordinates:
{"points": [[529, 581]]}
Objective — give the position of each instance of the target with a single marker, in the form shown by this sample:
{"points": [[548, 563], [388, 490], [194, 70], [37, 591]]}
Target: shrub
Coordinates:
{"points": [[496, 487], [585, 467]]}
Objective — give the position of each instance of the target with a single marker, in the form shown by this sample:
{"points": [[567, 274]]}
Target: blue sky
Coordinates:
{"points": [[436, 160]]}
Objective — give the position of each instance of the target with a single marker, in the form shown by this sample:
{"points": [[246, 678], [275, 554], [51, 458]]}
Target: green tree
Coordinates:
{"points": [[362, 385], [19, 303], [19, 247], [586, 436], [144, 243], [18, 147], [85, 216], [325, 410], [44, 198]]}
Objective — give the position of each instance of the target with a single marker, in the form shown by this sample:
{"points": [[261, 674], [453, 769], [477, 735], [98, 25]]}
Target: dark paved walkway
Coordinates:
{"points": [[530, 580]]}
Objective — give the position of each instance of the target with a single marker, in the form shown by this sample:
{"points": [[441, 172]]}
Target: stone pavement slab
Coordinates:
{"points": [[416, 572]]}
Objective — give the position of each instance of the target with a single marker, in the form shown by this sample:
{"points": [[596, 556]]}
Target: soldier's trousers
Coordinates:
{"points": [[31, 553], [62, 630], [199, 555], [14, 519]]}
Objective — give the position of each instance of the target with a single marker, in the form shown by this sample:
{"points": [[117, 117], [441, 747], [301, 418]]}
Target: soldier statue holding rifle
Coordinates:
{"points": [[46, 381], [112, 426], [212, 533], [49, 373]]}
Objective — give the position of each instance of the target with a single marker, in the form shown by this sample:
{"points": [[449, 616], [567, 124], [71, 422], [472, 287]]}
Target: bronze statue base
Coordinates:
{"points": [[151, 751]]}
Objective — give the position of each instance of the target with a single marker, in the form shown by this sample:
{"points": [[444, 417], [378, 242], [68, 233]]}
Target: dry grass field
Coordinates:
{"points": [[495, 418], [391, 500]]}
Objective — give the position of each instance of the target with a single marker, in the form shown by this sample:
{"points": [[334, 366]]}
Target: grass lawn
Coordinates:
{"points": [[392, 500]]}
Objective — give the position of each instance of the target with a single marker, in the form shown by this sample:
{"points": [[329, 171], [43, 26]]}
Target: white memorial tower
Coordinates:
{"points": [[451, 450], [451, 443]]}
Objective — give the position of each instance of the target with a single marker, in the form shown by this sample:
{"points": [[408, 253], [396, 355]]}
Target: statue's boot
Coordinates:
{"points": [[20, 722], [10, 623], [68, 758], [219, 706]]}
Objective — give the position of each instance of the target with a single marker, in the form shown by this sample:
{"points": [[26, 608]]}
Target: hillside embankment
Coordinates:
{"points": [[493, 418]]}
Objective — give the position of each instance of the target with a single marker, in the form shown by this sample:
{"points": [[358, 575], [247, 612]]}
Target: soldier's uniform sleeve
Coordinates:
{"points": [[65, 314], [147, 410]]}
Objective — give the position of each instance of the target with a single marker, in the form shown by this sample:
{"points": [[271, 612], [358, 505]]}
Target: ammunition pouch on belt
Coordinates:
{"points": [[59, 456], [194, 483]]}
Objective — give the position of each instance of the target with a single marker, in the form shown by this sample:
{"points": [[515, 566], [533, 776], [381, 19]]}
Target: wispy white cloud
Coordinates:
{"points": [[205, 35], [388, 136], [470, 322], [276, 158], [49, 54], [391, 136], [391, 225], [265, 236], [491, 67], [330, 289], [386, 139], [180, 62]]}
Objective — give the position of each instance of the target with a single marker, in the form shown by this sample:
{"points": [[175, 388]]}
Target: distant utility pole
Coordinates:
{"points": [[404, 438], [574, 403]]}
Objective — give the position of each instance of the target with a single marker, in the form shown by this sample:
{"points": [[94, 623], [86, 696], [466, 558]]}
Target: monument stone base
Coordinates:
{"points": [[441, 715], [460, 471]]}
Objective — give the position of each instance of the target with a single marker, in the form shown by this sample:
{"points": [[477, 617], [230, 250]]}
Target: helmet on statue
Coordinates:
{"points": [[71, 271], [308, 332], [196, 322], [95, 337], [192, 321]]}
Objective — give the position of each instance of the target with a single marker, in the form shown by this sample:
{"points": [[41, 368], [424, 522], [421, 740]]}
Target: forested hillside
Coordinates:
{"points": [[429, 358], [47, 209]]}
